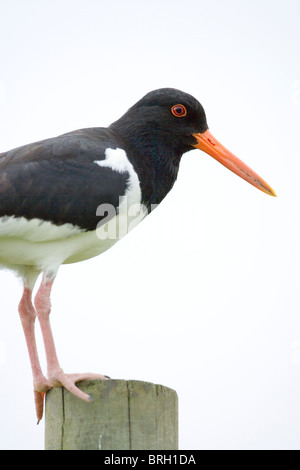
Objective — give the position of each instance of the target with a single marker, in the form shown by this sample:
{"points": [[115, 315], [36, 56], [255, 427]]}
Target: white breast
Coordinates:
{"points": [[131, 211]]}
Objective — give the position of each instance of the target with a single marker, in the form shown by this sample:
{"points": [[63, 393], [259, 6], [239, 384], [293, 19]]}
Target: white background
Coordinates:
{"points": [[203, 296]]}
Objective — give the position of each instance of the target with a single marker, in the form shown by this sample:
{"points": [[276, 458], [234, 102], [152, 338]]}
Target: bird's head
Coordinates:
{"points": [[172, 119]]}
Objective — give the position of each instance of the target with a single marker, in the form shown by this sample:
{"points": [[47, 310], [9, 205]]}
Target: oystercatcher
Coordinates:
{"points": [[69, 198]]}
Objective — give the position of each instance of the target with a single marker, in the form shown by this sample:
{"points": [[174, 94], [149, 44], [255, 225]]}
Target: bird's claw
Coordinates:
{"points": [[60, 379]]}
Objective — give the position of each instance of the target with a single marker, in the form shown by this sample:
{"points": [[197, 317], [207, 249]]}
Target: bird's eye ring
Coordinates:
{"points": [[179, 110]]}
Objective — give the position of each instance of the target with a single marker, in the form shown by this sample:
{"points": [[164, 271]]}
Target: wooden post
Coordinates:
{"points": [[124, 415]]}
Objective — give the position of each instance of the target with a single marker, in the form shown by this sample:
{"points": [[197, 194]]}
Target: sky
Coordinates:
{"points": [[202, 296]]}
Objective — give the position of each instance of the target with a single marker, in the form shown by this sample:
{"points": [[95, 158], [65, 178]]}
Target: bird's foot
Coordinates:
{"points": [[59, 379], [41, 386]]}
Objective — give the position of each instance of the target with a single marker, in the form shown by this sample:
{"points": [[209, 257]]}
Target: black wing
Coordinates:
{"points": [[57, 180]]}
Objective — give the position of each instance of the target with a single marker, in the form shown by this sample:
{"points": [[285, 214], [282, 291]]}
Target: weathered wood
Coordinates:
{"points": [[125, 415]]}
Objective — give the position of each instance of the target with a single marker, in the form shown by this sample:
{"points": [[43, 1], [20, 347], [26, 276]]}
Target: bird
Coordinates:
{"points": [[69, 198]]}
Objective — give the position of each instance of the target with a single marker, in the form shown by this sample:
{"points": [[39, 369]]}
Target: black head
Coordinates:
{"points": [[166, 116], [167, 122]]}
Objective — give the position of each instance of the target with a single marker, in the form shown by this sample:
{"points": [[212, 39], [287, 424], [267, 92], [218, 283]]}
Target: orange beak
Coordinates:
{"points": [[210, 145]]}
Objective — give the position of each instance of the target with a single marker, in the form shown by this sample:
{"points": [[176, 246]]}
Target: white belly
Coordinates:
{"points": [[46, 246]]}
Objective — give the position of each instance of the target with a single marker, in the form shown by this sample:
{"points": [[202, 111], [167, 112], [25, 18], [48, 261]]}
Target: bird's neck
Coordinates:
{"points": [[156, 163]]}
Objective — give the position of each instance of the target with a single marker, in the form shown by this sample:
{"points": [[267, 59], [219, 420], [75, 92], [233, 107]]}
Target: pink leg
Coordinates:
{"points": [[56, 376], [28, 316]]}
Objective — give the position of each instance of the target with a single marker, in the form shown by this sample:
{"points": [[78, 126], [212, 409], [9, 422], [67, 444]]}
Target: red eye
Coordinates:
{"points": [[179, 110]]}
